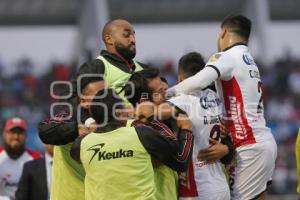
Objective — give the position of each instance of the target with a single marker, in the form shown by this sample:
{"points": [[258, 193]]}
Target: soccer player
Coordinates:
{"points": [[239, 85], [116, 157], [203, 180], [13, 155]]}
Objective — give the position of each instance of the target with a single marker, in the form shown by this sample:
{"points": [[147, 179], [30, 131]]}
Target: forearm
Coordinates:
{"points": [[228, 157], [185, 151], [56, 131], [197, 82], [75, 149], [180, 161]]}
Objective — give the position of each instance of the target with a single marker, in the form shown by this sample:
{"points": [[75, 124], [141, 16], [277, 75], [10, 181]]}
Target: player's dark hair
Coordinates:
{"points": [[137, 86], [109, 103], [191, 63], [163, 79], [89, 74], [238, 24]]}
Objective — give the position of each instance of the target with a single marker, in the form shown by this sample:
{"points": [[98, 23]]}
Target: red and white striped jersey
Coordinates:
{"points": [[240, 87], [11, 170], [204, 109]]}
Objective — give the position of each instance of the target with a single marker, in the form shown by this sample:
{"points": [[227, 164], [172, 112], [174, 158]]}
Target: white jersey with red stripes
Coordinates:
{"points": [[11, 170], [239, 86], [202, 180]]}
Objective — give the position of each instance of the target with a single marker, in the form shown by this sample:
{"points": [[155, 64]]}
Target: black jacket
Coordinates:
{"points": [[59, 132], [33, 182]]}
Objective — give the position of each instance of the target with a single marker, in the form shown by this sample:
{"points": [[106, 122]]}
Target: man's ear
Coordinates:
{"points": [[108, 39], [180, 77], [223, 33]]}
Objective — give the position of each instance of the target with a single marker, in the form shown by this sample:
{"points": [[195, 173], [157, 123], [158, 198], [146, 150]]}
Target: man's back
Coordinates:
{"points": [[117, 165], [240, 87], [204, 109]]}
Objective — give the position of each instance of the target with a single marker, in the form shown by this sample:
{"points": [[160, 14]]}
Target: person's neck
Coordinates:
{"points": [[114, 52], [234, 42]]}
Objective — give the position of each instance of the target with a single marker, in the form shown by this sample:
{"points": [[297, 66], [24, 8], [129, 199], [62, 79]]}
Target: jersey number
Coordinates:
{"points": [[260, 102]]}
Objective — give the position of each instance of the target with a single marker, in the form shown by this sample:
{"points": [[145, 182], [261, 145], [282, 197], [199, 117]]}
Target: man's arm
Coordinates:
{"points": [[228, 157], [166, 149], [197, 82], [57, 131], [75, 149], [220, 65], [24, 184]]}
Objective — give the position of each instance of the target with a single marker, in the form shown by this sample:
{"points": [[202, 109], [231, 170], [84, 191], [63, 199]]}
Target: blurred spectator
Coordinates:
{"points": [[12, 156], [35, 181]]}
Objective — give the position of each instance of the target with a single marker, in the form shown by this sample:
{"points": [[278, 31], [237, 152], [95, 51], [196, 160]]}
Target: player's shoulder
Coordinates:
{"points": [[209, 92], [33, 154], [221, 57], [180, 99], [92, 66], [1, 149]]}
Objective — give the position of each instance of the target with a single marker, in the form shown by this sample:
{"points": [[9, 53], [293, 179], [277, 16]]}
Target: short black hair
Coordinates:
{"points": [[90, 73], [238, 24], [137, 85], [191, 63], [163, 79], [109, 101]]}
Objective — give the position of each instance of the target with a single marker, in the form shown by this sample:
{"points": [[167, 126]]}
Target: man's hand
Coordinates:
{"points": [[213, 153], [144, 110], [82, 130], [183, 122]]}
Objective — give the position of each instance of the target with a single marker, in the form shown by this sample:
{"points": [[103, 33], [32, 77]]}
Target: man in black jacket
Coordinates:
{"points": [[36, 177]]}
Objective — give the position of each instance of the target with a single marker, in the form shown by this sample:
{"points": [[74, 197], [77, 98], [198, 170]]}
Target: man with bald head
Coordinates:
{"points": [[116, 63], [119, 38]]}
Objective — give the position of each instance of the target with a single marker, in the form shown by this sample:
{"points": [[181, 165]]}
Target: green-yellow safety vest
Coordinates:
{"points": [[117, 166]]}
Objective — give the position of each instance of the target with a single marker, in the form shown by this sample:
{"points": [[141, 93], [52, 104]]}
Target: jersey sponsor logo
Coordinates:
{"points": [[201, 164], [207, 102], [6, 182], [248, 60], [214, 57], [236, 113], [104, 155]]}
